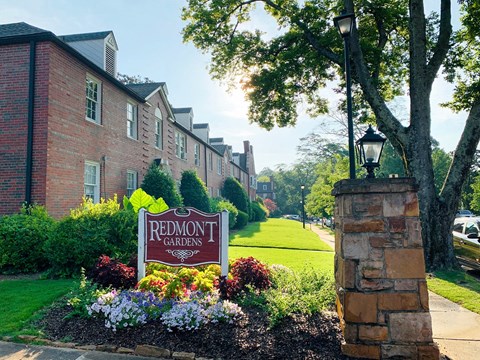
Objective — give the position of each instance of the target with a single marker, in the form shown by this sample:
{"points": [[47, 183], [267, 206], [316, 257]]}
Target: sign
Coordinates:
{"points": [[182, 237]]}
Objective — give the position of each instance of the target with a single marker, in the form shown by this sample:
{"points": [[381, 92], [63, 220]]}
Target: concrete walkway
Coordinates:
{"points": [[456, 330]]}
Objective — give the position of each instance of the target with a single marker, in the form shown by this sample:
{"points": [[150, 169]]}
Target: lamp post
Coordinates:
{"points": [[303, 204], [370, 148], [344, 24]]}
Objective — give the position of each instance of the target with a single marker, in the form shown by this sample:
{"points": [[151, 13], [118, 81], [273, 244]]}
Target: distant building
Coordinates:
{"points": [[266, 190], [69, 128]]}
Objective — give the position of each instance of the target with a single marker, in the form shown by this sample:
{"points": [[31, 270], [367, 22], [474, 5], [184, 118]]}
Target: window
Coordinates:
{"points": [[264, 187], [219, 193], [91, 182], [180, 145], [131, 182], [219, 166], [210, 161], [197, 154], [158, 129], [93, 99], [131, 120]]}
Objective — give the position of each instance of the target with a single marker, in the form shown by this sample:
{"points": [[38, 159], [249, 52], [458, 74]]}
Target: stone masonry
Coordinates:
{"points": [[382, 297]]}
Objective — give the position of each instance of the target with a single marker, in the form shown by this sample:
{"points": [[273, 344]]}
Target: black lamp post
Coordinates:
{"points": [[303, 204], [370, 148], [344, 24]]}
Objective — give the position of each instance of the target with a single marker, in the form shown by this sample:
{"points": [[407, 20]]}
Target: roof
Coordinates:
{"points": [[200, 126], [20, 33], [86, 36], [184, 110], [216, 140], [19, 29], [145, 90], [220, 148]]}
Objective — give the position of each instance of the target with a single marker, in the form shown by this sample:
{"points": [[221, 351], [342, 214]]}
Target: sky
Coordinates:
{"points": [[148, 34]]}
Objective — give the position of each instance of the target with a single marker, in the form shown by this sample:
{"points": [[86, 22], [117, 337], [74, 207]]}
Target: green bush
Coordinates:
{"points": [[307, 292], [236, 194], [160, 184], [77, 243], [242, 220], [194, 191], [22, 237], [90, 231], [219, 204], [259, 212]]}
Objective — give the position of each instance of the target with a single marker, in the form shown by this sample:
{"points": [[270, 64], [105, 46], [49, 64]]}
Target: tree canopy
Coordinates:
{"points": [[396, 49]]}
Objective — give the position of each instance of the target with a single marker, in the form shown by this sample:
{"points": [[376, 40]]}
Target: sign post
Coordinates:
{"points": [[182, 237]]}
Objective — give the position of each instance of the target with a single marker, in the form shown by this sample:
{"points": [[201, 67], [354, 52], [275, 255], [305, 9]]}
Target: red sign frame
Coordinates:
{"points": [[182, 237]]}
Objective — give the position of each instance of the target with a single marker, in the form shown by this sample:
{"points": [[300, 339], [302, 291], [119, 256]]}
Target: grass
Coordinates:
{"points": [[278, 233], [457, 286], [294, 259], [20, 299]]}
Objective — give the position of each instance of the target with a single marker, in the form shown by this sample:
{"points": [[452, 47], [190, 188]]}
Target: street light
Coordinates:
{"points": [[303, 204], [344, 24], [370, 148]]}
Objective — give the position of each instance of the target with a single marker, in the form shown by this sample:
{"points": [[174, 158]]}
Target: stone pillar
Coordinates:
{"points": [[382, 297]]}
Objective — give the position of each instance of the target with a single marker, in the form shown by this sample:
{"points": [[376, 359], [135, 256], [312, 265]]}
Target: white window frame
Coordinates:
{"points": [[264, 187], [132, 182], [180, 145], [219, 166], [132, 120], [158, 129], [93, 99], [197, 154], [91, 186]]}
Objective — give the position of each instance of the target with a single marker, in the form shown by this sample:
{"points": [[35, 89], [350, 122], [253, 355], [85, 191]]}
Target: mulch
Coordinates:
{"points": [[299, 337]]}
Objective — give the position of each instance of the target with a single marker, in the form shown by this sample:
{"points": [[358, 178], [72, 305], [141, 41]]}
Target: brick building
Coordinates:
{"points": [[69, 128]]}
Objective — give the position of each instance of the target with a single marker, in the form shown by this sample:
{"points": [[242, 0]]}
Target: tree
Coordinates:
{"points": [[194, 191], [320, 201], [160, 184], [236, 194], [395, 48]]}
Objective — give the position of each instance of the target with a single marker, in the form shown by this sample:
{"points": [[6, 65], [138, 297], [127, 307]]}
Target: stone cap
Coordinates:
{"points": [[384, 185]]}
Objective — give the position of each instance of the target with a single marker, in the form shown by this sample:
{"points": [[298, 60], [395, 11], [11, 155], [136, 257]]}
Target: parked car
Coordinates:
{"points": [[464, 213], [466, 241]]}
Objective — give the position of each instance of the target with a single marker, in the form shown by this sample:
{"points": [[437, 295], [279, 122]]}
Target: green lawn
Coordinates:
{"points": [[293, 259], [278, 233], [457, 286], [20, 299]]}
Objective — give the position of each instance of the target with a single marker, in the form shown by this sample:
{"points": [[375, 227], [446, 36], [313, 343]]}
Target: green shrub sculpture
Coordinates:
{"points": [[194, 191], [219, 204], [236, 194], [160, 184]]}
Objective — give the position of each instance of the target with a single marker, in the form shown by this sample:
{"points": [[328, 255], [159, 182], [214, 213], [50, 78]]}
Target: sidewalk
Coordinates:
{"points": [[456, 330]]}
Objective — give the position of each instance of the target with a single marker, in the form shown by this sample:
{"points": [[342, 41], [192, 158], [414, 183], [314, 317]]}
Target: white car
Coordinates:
{"points": [[466, 241]]}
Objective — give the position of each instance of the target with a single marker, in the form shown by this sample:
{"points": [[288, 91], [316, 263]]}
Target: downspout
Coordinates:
{"points": [[206, 166], [30, 118]]}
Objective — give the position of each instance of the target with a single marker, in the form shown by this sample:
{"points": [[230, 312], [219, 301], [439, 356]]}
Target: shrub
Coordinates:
{"points": [[251, 272], [77, 243], [160, 184], [307, 292], [259, 212], [274, 211], [194, 191], [242, 220], [109, 272], [22, 239], [235, 193], [219, 204]]}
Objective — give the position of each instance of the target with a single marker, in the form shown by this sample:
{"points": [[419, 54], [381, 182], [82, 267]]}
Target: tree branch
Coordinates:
{"points": [[463, 157], [442, 46]]}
